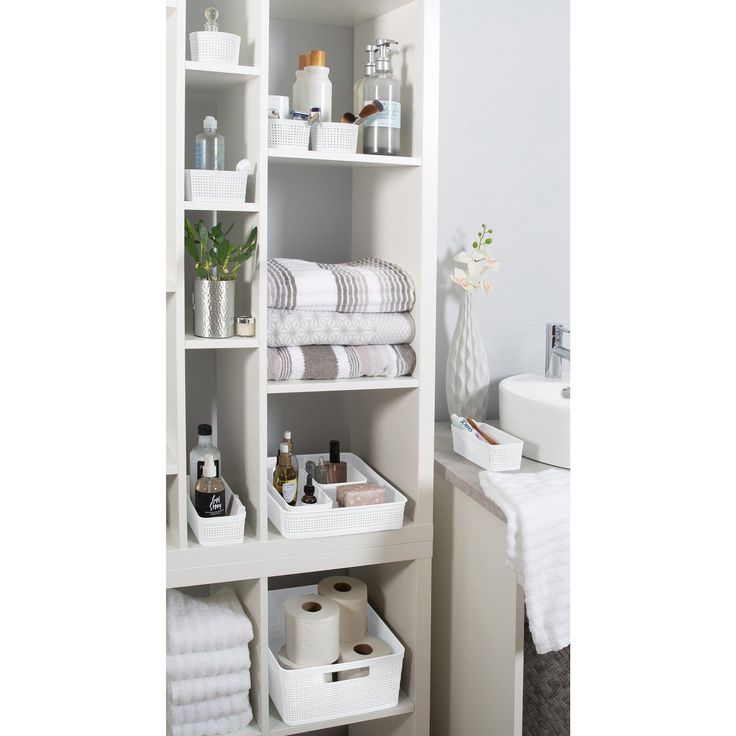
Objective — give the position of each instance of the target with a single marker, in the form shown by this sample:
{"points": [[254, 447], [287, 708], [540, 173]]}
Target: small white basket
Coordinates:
{"points": [[288, 134], [506, 455], [311, 694], [219, 529], [329, 520], [205, 185], [214, 47], [335, 137]]}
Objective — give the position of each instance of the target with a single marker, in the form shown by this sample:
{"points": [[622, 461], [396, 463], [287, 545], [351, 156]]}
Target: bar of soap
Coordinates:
{"points": [[360, 494]]}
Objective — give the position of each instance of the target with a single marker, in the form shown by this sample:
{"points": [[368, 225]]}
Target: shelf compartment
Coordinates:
{"points": [[278, 728], [333, 12], [220, 206], [319, 158], [192, 342], [215, 78], [342, 384]]}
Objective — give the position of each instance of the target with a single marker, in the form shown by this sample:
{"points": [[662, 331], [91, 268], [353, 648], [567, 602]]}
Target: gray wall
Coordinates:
{"points": [[504, 160]]}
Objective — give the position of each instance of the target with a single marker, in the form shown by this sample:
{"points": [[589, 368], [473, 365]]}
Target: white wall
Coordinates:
{"points": [[504, 160]]}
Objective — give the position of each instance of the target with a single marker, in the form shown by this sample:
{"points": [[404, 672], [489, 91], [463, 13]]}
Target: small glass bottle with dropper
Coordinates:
{"points": [[209, 493], [309, 496]]}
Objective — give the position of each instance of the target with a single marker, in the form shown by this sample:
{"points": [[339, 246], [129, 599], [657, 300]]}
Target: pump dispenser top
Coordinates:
{"points": [[383, 60]]}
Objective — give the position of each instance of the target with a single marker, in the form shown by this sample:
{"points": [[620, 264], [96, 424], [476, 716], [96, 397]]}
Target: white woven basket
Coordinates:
{"points": [[329, 520], [214, 47], [309, 694], [336, 137], [506, 455], [219, 529], [204, 185], [288, 134]]}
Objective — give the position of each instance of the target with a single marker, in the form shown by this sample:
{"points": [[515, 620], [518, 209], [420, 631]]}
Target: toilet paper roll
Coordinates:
{"points": [[366, 648], [351, 595], [312, 630], [289, 664]]}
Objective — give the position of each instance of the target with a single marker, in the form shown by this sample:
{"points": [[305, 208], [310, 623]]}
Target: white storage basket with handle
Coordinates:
{"points": [[311, 694], [324, 519], [228, 529], [288, 134], [335, 137], [214, 47], [506, 455], [205, 185]]}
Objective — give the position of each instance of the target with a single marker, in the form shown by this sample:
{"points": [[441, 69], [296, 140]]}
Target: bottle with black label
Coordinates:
{"points": [[209, 493], [199, 452]]}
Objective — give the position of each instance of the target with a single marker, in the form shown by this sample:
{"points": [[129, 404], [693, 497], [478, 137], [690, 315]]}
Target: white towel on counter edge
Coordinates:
{"points": [[537, 509], [205, 624], [207, 664], [214, 726], [207, 710], [181, 692]]}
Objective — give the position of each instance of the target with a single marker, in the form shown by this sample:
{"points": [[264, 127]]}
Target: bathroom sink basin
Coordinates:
{"points": [[536, 410]]}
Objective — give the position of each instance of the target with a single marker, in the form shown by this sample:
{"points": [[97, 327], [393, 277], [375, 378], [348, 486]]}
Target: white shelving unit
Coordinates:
{"points": [[320, 207]]}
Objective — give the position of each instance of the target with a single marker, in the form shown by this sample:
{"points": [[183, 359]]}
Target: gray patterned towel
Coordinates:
{"points": [[326, 362], [291, 327], [368, 285]]}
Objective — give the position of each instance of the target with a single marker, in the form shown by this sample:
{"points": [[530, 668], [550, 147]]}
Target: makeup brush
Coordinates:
{"points": [[372, 108], [347, 117]]}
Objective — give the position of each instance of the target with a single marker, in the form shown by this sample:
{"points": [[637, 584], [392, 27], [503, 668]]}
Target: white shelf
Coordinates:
{"points": [[340, 159], [278, 728], [215, 78], [349, 13], [341, 384], [171, 466], [221, 206], [192, 342]]}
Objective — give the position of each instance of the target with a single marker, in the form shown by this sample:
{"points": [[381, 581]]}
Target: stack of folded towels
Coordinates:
{"points": [[207, 664], [341, 320]]}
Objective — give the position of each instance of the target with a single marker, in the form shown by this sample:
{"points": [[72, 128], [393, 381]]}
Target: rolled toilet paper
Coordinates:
{"points": [[312, 630], [351, 595], [366, 648], [289, 664]]}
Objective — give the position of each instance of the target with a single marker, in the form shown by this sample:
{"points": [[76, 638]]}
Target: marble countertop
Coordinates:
{"points": [[463, 474]]}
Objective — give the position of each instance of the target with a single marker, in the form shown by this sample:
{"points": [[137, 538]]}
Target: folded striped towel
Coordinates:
{"points": [[214, 726], [537, 509], [193, 689], [205, 624], [207, 664], [294, 327], [326, 362], [368, 285]]}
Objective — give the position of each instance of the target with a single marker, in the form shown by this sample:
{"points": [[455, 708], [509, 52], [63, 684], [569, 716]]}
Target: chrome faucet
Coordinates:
{"points": [[555, 352]]}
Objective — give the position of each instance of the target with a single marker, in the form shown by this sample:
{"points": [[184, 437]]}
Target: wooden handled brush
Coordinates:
{"points": [[372, 108], [486, 437]]}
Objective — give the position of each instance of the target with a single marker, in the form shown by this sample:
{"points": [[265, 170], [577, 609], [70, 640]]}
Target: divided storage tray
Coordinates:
{"points": [[220, 529], [328, 520], [309, 694], [506, 455], [288, 134], [204, 185]]}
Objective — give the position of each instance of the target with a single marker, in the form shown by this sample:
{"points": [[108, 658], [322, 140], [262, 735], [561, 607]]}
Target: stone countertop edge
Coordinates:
{"points": [[463, 474]]}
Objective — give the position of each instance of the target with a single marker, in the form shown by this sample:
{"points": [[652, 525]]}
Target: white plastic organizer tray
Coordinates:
{"points": [[228, 529], [325, 518], [506, 455], [312, 694]]}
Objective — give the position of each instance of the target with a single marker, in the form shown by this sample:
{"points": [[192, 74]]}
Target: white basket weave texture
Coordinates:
{"points": [[214, 47], [205, 185], [506, 455], [304, 696], [342, 137], [323, 520], [288, 134], [220, 529]]}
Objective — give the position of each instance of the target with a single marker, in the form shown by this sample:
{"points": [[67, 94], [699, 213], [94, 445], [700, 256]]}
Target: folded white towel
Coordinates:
{"points": [[207, 710], [207, 664], [181, 692], [537, 508], [214, 726], [205, 624]]}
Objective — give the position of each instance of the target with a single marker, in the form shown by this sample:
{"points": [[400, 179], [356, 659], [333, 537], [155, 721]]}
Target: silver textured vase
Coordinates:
{"points": [[468, 378], [214, 308]]}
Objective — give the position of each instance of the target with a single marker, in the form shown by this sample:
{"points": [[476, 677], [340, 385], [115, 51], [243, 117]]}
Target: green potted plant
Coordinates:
{"points": [[217, 263]]}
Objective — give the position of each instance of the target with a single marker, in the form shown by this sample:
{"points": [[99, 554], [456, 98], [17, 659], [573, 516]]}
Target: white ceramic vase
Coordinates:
{"points": [[468, 374]]}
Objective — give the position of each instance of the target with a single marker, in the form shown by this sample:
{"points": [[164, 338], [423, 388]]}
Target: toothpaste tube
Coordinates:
{"points": [[461, 423]]}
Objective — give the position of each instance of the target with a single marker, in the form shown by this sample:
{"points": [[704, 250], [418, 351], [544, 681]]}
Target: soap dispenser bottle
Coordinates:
{"points": [[369, 69], [382, 131], [209, 150], [209, 493], [200, 452]]}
